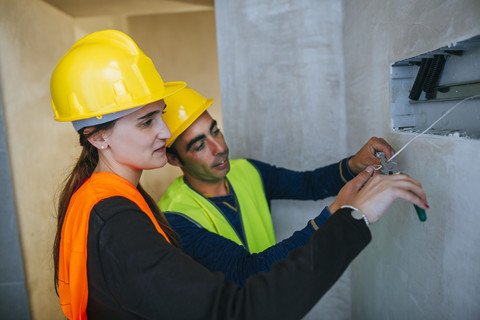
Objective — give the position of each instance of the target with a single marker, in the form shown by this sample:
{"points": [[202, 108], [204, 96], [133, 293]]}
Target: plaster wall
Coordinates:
{"points": [[33, 36], [183, 48], [282, 82], [286, 101], [41, 151], [414, 270]]}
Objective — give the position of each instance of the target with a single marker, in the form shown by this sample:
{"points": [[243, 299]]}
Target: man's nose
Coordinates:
{"points": [[217, 146]]}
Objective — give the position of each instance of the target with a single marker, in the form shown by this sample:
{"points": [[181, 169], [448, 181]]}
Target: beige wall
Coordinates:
{"points": [[183, 47], [33, 37]]}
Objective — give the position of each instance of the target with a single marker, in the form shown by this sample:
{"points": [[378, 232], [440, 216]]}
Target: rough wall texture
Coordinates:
{"points": [[186, 50], [33, 36], [279, 99], [414, 270], [287, 102], [281, 75], [13, 292]]}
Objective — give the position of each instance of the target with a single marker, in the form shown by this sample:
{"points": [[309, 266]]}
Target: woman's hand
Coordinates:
{"points": [[373, 193]]}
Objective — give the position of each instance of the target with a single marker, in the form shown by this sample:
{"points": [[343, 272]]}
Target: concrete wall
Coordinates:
{"points": [[286, 101], [304, 83], [13, 292], [41, 151], [282, 82], [33, 36], [414, 270]]}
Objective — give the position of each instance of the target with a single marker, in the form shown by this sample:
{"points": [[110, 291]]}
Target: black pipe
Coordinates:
{"points": [[433, 77], [417, 87]]}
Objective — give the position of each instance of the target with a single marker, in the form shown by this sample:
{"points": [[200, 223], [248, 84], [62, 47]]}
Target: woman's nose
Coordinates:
{"points": [[163, 131]]}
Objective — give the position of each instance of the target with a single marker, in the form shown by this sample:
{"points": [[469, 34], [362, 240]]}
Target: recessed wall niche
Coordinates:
{"points": [[425, 87]]}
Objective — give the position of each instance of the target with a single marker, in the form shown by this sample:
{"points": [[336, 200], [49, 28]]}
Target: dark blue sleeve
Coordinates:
{"points": [[281, 183], [220, 254]]}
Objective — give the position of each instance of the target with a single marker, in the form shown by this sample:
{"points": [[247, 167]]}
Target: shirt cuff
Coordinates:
{"points": [[320, 219], [345, 173]]}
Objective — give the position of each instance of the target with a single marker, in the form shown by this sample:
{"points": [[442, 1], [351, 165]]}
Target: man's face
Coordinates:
{"points": [[203, 151]]}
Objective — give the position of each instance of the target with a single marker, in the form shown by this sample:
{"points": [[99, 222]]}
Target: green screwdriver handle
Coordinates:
{"points": [[421, 213]]}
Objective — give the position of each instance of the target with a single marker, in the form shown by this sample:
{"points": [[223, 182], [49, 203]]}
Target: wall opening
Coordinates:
{"points": [[425, 87]]}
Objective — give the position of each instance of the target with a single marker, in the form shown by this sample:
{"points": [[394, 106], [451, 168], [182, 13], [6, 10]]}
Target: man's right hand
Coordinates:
{"points": [[373, 193]]}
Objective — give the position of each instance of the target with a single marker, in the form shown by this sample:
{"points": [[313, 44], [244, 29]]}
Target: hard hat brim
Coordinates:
{"points": [[172, 87], [169, 89]]}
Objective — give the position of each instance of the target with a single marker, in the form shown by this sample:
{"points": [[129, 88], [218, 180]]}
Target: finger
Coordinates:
{"points": [[405, 183], [404, 177], [377, 170], [379, 144], [413, 197], [362, 178]]}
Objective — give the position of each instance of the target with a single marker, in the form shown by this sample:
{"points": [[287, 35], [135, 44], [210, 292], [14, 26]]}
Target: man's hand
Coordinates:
{"points": [[366, 156]]}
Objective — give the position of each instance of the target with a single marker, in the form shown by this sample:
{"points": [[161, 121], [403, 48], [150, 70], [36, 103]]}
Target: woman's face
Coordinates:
{"points": [[138, 140]]}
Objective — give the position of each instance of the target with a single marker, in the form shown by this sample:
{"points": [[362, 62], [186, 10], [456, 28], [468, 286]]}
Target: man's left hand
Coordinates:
{"points": [[366, 156]]}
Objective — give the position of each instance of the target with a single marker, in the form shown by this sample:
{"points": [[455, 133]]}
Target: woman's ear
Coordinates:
{"points": [[97, 139]]}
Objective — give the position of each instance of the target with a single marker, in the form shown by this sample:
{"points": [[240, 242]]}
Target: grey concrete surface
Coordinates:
{"points": [[305, 83], [13, 294]]}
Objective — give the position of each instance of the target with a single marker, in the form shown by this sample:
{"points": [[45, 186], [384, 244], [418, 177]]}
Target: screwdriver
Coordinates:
{"points": [[390, 167]]}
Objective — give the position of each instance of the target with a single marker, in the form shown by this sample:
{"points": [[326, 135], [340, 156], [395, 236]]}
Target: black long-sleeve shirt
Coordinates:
{"points": [[134, 273], [221, 254]]}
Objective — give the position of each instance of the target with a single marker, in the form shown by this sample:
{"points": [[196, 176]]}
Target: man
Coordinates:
{"points": [[221, 208]]}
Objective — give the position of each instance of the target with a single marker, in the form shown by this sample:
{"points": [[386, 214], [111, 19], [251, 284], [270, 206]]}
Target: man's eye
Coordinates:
{"points": [[200, 146], [216, 132]]}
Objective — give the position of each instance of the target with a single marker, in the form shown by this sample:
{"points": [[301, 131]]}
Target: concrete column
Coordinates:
{"points": [[282, 86]]}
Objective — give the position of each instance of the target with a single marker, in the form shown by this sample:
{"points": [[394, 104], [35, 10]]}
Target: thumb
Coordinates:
{"points": [[362, 177]]}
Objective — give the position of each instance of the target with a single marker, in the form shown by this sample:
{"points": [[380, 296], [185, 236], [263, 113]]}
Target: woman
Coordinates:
{"points": [[116, 256]]}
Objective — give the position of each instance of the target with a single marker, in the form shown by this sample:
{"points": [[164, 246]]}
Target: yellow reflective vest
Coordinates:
{"points": [[253, 207]]}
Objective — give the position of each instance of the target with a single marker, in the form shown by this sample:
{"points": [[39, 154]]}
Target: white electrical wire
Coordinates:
{"points": [[430, 127]]}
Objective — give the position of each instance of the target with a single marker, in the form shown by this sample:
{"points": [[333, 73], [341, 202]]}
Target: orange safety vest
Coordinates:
{"points": [[72, 265]]}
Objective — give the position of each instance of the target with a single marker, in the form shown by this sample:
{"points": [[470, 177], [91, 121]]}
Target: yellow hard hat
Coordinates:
{"points": [[104, 73], [182, 109]]}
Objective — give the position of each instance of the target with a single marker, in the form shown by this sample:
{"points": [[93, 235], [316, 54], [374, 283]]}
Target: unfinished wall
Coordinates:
{"points": [[281, 73], [183, 48], [13, 291], [414, 270], [285, 102], [279, 105], [33, 37]]}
